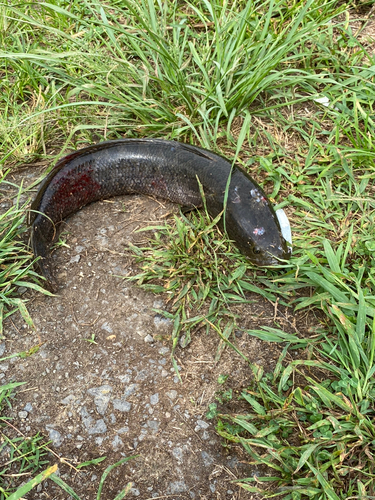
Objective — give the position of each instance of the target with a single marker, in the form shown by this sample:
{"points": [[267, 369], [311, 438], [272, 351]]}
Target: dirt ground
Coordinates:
{"points": [[120, 396]]}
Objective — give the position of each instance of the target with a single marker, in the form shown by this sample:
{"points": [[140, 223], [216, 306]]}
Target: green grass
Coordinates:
{"points": [[16, 262], [317, 435], [243, 79], [203, 276], [156, 69], [50, 473]]}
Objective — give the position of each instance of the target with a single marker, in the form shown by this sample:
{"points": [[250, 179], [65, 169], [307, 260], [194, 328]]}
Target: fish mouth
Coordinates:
{"points": [[271, 261]]}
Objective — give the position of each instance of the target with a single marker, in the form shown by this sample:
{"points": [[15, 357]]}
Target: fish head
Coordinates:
{"points": [[260, 233]]}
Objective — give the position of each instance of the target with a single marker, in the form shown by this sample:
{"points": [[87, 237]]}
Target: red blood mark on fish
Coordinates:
{"points": [[74, 189], [159, 184]]}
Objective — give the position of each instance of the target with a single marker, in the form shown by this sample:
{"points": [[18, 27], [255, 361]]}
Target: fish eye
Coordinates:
{"points": [[256, 250]]}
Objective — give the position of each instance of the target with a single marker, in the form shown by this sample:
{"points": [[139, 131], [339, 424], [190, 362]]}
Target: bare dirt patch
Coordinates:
{"points": [[119, 395]]}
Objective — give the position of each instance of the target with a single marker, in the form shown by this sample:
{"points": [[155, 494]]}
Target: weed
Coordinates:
{"points": [[16, 263]]}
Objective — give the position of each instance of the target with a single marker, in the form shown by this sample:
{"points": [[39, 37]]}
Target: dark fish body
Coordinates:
{"points": [[164, 169]]}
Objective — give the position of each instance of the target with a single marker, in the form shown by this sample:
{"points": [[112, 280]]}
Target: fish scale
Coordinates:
{"points": [[165, 169]]}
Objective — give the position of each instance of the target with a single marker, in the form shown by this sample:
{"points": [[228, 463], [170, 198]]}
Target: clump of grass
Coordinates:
{"points": [[20, 457], [16, 262], [24, 456], [317, 442], [318, 434], [51, 473], [156, 68], [201, 273]]}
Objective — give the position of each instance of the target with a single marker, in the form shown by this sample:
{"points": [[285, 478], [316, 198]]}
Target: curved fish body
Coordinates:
{"points": [[165, 169]]}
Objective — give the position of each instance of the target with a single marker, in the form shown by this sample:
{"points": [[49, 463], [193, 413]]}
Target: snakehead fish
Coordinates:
{"points": [[165, 169]]}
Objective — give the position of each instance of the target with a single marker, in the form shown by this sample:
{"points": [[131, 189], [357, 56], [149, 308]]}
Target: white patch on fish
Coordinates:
{"points": [[259, 231], [237, 198], [257, 195], [286, 230]]}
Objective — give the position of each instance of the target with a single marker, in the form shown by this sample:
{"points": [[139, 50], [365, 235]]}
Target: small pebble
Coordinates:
{"points": [[154, 399], [121, 405], [75, 259], [207, 459], [172, 394], [201, 424]]}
